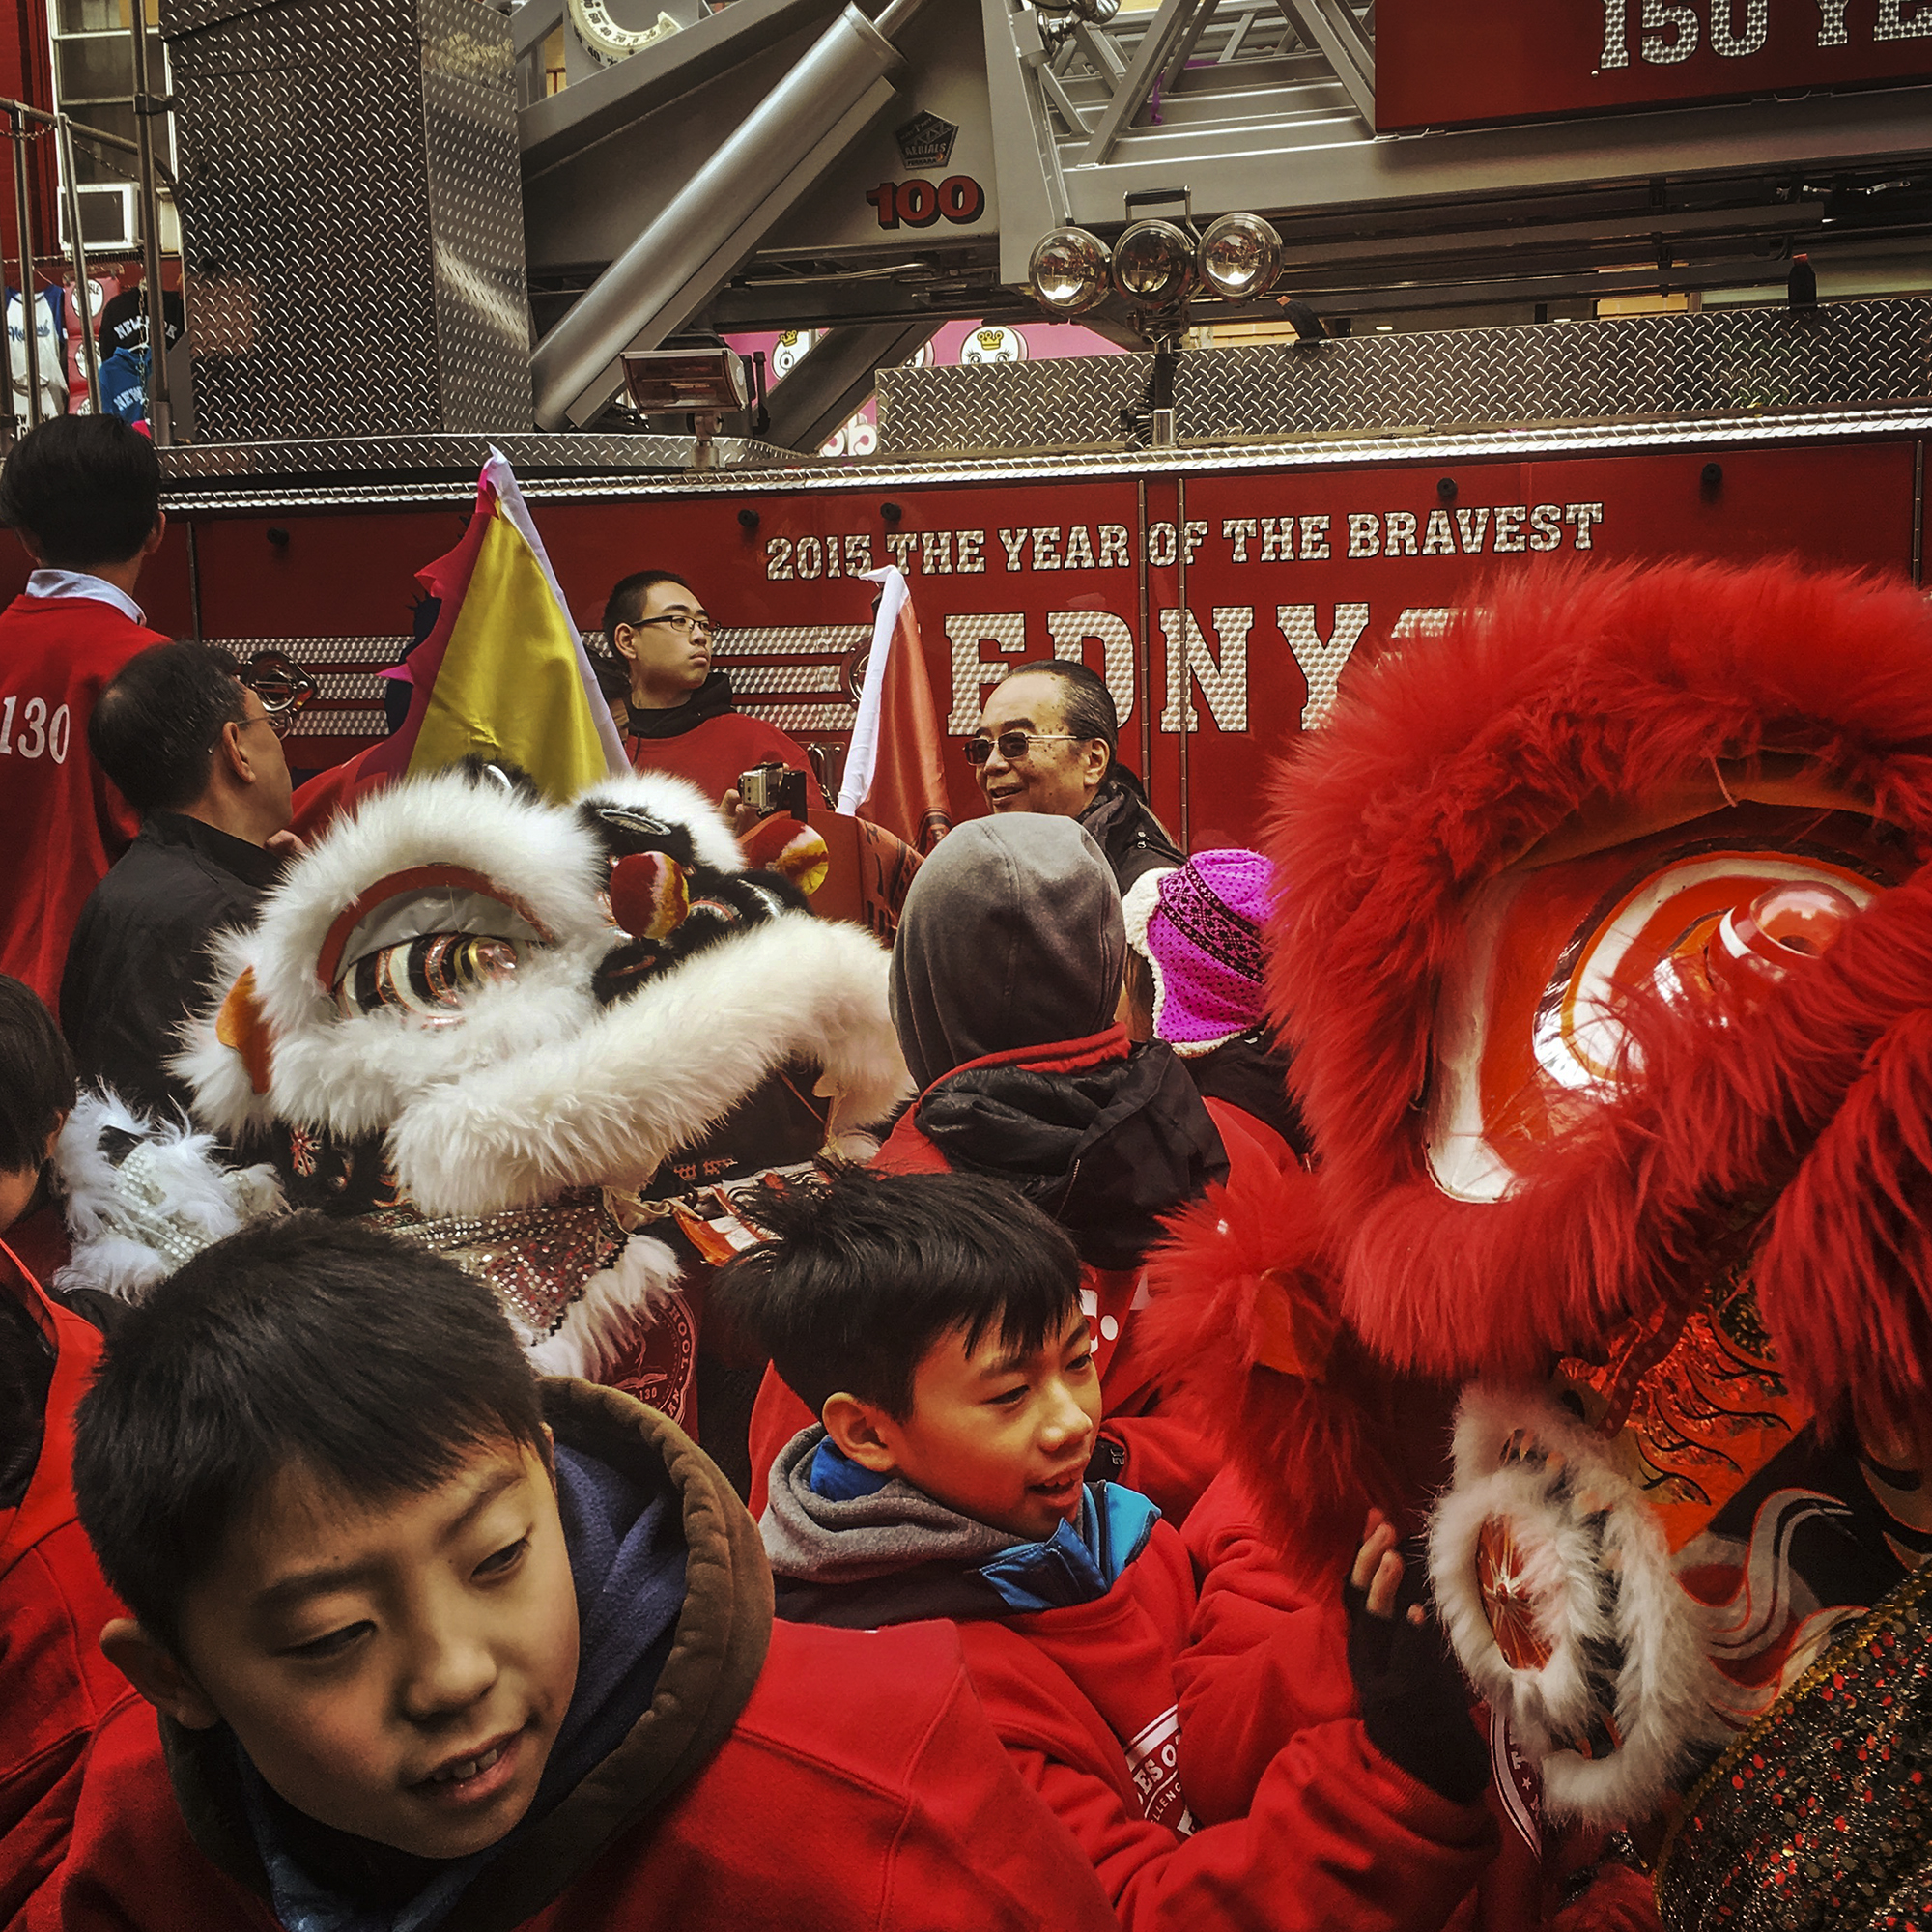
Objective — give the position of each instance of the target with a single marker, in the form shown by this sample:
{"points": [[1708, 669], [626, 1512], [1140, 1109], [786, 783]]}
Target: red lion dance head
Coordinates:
{"points": [[1604, 947]]}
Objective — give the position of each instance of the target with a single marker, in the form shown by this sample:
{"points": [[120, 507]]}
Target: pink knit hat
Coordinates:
{"points": [[1199, 929]]}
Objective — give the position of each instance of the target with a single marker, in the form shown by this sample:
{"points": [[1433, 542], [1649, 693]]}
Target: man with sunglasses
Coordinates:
{"points": [[1046, 743], [83, 495], [193, 740], [681, 716]]}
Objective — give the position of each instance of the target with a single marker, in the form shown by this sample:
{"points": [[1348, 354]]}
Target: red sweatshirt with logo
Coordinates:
{"points": [[1313, 1831], [66, 824]]}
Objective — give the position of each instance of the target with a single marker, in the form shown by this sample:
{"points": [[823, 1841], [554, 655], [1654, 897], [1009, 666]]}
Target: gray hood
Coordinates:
{"points": [[1011, 937], [852, 1541]]}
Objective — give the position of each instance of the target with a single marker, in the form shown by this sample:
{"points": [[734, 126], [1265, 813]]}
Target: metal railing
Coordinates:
{"points": [[25, 123]]}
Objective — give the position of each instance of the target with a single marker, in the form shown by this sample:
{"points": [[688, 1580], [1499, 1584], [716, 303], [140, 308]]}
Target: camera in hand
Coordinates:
{"points": [[773, 787]]}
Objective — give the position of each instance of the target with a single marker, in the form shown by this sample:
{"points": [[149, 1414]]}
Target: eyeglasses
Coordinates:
{"points": [[280, 682], [1013, 746], [678, 622]]}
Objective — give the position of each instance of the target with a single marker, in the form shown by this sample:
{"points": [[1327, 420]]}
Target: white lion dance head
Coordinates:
{"points": [[540, 1039]]}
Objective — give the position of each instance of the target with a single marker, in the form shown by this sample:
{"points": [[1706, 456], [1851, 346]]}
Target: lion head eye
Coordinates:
{"points": [[427, 977]]}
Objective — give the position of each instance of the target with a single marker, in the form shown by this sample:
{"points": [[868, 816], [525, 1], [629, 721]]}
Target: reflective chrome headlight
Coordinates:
{"points": [[1068, 271], [1153, 264], [1241, 256]]}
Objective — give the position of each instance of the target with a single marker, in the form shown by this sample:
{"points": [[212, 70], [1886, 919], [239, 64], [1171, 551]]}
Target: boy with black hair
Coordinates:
{"points": [[83, 495], [934, 1322], [679, 716], [54, 1683], [432, 1646], [1006, 977]]}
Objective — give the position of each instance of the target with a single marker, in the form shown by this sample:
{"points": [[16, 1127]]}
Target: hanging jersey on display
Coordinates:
{"points": [[50, 344], [124, 320], [124, 385]]}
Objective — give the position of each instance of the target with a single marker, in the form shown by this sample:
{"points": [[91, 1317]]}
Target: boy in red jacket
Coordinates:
{"points": [[83, 495], [54, 1683], [422, 1643], [934, 1322]]}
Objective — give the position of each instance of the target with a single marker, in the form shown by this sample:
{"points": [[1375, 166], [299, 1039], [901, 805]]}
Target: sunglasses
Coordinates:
{"points": [[280, 682], [1013, 746]]}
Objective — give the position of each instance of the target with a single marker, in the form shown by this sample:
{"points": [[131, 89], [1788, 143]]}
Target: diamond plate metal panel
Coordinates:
{"points": [[476, 206], [352, 211], [1720, 362], [1064, 404], [795, 721], [777, 671], [458, 456]]}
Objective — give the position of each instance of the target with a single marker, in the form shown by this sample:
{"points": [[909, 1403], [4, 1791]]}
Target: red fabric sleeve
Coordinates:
{"points": [[54, 1682], [1238, 1125], [119, 822], [53, 1606], [131, 1862], [907, 1151], [325, 798], [978, 1851], [1263, 1661], [1337, 1837]]}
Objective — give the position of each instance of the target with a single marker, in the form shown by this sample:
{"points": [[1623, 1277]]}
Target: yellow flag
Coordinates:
{"points": [[511, 680]]}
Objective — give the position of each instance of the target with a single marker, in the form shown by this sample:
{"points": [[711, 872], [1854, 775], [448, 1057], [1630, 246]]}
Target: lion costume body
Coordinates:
{"points": [[1604, 946], [539, 1039]]}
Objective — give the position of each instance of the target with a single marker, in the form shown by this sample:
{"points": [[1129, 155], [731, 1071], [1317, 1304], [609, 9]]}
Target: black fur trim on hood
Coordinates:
{"points": [[711, 699], [1106, 1151]]}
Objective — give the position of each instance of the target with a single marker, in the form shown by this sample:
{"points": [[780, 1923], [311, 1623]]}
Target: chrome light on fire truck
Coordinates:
{"points": [[1068, 271], [1241, 256], [1153, 264], [667, 381], [707, 384]]}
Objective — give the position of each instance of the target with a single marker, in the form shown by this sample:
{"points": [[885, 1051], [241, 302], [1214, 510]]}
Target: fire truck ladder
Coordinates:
{"points": [[1199, 68], [658, 203]]}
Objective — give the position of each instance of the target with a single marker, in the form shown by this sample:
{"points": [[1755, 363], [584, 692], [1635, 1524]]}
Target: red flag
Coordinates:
{"points": [[894, 768]]}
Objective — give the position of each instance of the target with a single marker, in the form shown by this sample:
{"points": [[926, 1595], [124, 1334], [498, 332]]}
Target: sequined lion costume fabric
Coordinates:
{"points": [[1604, 946], [543, 1039]]}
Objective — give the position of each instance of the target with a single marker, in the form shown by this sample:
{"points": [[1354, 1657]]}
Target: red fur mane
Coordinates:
{"points": [[1441, 765], [1558, 691]]}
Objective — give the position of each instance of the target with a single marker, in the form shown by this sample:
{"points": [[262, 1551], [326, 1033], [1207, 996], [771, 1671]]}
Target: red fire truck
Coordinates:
{"points": [[1221, 591], [1217, 533]]}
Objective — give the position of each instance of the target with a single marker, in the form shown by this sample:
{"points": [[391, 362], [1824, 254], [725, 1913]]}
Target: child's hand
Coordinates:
{"points": [[1379, 1570], [1415, 1706]]}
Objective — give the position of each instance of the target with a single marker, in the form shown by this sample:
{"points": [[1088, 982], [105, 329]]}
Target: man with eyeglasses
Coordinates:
{"points": [[83, 495], [681, 717], [1046, 743], [193, 740]]}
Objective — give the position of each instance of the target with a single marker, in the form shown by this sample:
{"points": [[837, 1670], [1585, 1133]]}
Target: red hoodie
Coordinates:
{"points": [[54, 1683], [66, 824], [1100, 1716]]}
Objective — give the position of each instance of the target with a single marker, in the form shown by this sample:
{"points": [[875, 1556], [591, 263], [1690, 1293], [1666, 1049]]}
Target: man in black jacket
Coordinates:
{"points": [[1047, 742], [196, 752]]}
